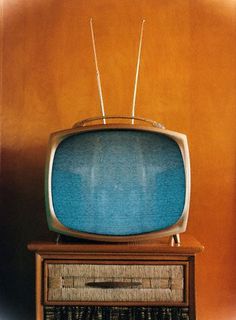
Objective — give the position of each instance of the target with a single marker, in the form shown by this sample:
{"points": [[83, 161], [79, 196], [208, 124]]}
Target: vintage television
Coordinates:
{"points": [[118, 181]]}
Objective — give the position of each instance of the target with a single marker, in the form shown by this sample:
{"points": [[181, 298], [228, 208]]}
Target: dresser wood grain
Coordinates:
{"points": [[148, 273]]}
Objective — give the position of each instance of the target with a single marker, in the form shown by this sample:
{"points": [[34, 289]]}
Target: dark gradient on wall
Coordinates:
{"points": [[22, 219]]}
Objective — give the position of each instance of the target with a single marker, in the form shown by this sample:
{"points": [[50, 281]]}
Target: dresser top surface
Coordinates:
{"points": [[188, 245]]}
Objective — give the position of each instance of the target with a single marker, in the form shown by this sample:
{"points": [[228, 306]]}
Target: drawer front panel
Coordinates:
{"points": [[119, 283]]}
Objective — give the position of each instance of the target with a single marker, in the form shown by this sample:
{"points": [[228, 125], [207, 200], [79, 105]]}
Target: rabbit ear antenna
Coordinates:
{"points": [[97, 73], [137, 71]]}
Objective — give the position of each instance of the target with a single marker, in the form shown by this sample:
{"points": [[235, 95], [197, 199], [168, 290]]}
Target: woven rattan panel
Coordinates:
{"points": [[78, 282], [115, 313]]}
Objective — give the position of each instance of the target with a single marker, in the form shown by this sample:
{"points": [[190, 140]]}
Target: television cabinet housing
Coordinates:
{"points": [[117, 182]]}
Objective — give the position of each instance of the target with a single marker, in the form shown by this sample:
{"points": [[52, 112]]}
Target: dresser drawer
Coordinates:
{"points": [[72, 282]]}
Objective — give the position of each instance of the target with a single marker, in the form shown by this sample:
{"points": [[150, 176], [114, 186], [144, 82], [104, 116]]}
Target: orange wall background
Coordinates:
{"points": [[187, 82]]}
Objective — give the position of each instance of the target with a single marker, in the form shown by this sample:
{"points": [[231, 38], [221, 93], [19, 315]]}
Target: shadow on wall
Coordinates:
{"points": [[23, 217], [23, 220]]}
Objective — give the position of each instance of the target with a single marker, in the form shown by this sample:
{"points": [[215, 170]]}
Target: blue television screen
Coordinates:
{"points": [[118, 182]]}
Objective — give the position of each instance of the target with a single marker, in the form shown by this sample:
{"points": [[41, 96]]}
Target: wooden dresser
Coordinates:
{"points": [[140, 280]]}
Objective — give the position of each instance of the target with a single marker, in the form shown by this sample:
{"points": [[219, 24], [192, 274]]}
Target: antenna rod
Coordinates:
{"points": [[137, 71], [97, 73]]}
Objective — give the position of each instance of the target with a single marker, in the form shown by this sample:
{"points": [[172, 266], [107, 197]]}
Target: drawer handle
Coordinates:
{"points": [[113, 284]]}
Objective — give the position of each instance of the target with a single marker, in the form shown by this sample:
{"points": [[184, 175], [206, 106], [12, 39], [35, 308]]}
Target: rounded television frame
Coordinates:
{"points": [[55, 225]]}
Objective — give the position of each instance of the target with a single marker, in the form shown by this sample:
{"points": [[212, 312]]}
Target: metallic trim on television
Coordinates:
{"points": [[55, 225]]}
